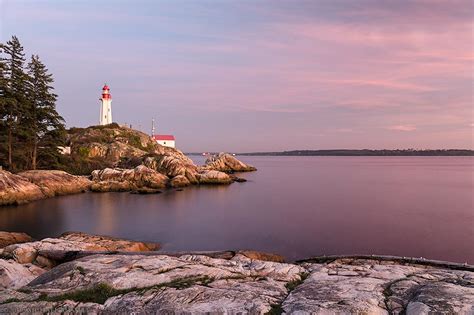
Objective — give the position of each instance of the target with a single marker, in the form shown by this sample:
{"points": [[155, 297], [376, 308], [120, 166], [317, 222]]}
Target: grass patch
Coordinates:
{"points": [[81, 270], [11, 300], [97, 294], [102, 291], [275, 310], [290, 286]]}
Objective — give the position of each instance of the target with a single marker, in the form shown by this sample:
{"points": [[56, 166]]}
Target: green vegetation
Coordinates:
{"points": [[10, 300], [30, 127], [102, 292], [275, 310], [293, 284], [290, 286]]}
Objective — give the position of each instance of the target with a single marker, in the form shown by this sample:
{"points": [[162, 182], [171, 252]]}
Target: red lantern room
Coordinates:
{"points": [[106, 92]]}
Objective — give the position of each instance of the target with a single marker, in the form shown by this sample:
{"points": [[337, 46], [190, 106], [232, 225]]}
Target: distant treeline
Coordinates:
{"points": [[366, 152]]}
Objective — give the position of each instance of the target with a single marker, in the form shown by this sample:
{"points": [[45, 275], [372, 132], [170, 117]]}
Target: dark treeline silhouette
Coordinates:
{"points": [[30, 127], [367, 152]]}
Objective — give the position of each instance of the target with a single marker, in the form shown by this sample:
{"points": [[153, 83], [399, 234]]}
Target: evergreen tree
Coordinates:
{"points": [[30, 127], [45, 125], [14, 101]]}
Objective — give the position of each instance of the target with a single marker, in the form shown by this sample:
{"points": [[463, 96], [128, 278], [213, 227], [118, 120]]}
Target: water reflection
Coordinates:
{"points": [[297, 206]]}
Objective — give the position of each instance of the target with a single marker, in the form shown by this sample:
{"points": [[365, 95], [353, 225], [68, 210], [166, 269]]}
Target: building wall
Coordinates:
{"points": [[106, 112], [167, 143]]}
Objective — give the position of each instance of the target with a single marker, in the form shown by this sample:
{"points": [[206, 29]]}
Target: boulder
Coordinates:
{"points": [[172, 166], [224, 162], [15, 275], [15, 189], [213, 177], [127, 179], [55, 183], [69, 242], [8, 238], [179, 181]]}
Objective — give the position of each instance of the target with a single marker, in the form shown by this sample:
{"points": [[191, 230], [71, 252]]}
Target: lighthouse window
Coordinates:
{"points": [[164, 142]]}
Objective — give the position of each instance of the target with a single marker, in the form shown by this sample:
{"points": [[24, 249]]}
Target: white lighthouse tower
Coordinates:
{"points": [[106, 106]]}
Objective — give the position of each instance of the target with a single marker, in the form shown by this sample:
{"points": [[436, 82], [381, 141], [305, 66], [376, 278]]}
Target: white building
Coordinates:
{"points": [[165, 140], [106, 106]]}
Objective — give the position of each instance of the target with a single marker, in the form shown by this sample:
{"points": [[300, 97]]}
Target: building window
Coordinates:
{"points": [[164, 142]]}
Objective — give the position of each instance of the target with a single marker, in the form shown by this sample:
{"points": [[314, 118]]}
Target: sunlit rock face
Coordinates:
{"points": [[33, 185], [225, 162], [127, 179], [15, 189], [172, 166], [213, 177], [56, 183], [8, 238]]}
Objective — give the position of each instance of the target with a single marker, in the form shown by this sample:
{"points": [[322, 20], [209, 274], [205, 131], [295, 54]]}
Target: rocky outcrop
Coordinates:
{"points": [[179, 181], [74, 241], [372, 286], [172, 166], [55, 183], [15, 189], [213, 177], [9, 238], [198, 283], [224, 162], [127, 179]]}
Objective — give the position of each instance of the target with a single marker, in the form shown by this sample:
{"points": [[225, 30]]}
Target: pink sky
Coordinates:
{"points": [[263, 76]]}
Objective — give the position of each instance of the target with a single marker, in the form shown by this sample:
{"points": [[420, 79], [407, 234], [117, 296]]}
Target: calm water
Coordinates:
{"points": [[296, 206]]}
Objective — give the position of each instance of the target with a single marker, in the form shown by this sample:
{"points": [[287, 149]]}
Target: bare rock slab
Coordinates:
{"points": [[351, 286]]}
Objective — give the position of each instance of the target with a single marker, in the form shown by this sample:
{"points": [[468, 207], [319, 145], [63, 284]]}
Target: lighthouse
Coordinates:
{"points": [[106, 106]]}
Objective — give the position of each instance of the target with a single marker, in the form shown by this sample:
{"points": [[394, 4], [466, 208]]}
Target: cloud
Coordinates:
{"points": [[345, 130], [402, 128]]}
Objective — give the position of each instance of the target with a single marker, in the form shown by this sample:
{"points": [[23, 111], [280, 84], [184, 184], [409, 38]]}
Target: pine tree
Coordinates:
{"points": [[3, 107], [14, 99], [45, 125]]}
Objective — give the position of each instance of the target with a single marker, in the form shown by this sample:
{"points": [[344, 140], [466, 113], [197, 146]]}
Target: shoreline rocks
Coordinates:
{"points": [[141, 177], [16, 190], [224, 162], [9, 238], [69, 242], [56, 183], [114, 281]]}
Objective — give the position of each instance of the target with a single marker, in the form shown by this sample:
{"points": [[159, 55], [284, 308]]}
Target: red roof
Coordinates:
{"points": [[106, 87], [163, 137]]}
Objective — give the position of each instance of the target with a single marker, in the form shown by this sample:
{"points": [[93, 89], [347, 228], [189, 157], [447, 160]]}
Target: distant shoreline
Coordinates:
{"points": [[364, 152]]}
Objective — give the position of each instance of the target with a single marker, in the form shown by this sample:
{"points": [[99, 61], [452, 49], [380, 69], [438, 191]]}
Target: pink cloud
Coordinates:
{"points": [[402, 128]]}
